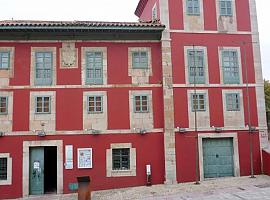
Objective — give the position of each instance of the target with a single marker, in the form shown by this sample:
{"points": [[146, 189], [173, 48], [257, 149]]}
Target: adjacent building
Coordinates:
{"points": [[180, 91]]}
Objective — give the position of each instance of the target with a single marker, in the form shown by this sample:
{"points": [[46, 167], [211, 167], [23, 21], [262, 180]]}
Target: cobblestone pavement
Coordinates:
{"points": [[243, 188]]}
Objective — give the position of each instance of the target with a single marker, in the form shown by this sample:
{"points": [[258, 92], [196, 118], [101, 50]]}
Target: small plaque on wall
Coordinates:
{"points": [[84, 158], [69, 157], [69, 55]]}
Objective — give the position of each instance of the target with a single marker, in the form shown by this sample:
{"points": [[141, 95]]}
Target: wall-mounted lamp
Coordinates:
{"points": [[93, 131], [2, 133], [253, 129], [41, 133], [181, 130], [140, 131], [218, 129]]}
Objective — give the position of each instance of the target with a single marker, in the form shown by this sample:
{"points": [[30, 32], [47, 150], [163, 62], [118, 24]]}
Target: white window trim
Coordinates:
{"points": [[6, 120], [206, 73], [83, 63], [234, 136], [9, 169], [33, 64], [238, 49], [120, 173], [8, 73]]}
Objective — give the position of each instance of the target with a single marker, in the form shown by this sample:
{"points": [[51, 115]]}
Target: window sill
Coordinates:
{"points": [[119, 173]]}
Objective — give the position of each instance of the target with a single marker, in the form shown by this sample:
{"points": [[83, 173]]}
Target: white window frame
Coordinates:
{"points": [[9, 169]]}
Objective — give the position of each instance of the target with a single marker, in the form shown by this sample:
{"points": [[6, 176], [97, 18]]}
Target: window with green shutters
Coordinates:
{"points": [[94, 68], [233, 102], [193, 7], [4, 60], [140, 60], [3, 105], [95, 104], [225, 7], [196, 66], [43, 105], [121, 159], [198, 102], [44, 68], [230, 67], [141, 103], [3, 169]]}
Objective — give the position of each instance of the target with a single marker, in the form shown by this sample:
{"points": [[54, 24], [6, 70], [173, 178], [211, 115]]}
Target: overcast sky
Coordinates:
{"points": [[108, 10]]}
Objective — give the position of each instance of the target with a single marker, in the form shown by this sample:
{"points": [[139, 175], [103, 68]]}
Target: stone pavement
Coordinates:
{"points": [[243, 188]]}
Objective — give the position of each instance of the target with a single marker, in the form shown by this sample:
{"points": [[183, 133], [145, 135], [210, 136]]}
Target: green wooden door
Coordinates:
{"points": [[218, 157], [36, 173]]}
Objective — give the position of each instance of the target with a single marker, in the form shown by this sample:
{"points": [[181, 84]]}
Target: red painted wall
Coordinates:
{"points": [[180, 108], [210, 16], [99, 144], [243, 15], [147, 12], [176, 14], [266, 162]]}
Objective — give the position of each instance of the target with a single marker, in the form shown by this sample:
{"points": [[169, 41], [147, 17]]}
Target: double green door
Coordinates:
{"points": [[218, 157], [36, 171]]}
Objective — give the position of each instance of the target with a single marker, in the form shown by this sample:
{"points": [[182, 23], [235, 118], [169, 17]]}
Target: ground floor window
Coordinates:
{"points": [[121, 159], [5, 169]]}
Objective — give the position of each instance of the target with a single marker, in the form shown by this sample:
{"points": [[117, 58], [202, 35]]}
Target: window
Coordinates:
{"points": [[43, 105], [3, 169], [140, 60], [230, 67], [121, 159], [154, 12], [43, 72], [3, 105], [94, 68], [196, 66], [141, 103], [198, 102], [225, 7], [193, 7], [233, 102], [4, 60], [95, 104]]}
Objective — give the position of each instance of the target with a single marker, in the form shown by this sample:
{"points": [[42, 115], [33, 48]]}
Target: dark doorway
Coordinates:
{"points": [[50, 170]]}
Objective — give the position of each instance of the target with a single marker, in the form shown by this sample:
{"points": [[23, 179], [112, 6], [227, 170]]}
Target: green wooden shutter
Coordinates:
{"points": [[94, 68], [43, 70]]}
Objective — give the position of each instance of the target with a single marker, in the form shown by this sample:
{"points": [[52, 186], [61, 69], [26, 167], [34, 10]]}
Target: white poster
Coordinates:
{"points": [[84, 158], [69, 157]]}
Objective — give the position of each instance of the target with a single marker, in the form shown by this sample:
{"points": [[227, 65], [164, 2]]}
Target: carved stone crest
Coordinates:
{"points": [[69, 55]]}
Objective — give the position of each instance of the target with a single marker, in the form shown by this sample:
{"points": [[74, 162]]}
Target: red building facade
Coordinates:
{"points": [[107, 99]]}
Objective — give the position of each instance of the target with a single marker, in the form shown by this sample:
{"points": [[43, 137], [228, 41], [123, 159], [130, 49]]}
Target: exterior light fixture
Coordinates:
{"points": [[218, 129], [41, 133], [2, 133], [93, 131], [141, 131], [181, 130]]}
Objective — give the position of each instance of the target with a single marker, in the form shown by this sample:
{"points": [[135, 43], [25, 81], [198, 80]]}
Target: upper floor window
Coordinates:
{"points": [[94, 68], [43, 70], [141, 103], [140, 60], [154, 12], [3, 169], [233, 102], [196, 66], [95, 104], [4, 60], [230, 67], [225, 7], [43, 105], [193, 7], [198, 102], [3, 105], [121, 159]]}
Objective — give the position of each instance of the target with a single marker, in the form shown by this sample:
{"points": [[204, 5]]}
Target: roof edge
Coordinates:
{"points": [[140, 7]]}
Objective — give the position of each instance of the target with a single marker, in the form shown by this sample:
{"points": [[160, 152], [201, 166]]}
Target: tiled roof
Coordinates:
{"points": [[140, 7], [8, 24]]}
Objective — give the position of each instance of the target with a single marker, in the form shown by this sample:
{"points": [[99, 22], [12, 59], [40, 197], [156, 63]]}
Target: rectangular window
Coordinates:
{"points": [[233, 102], [94, 68], [3, 105], [198, 102], [196, 66], [43, 71], [121, 159], [140, 60], [230, 67], [193, 7], [95, 104], [43, 105], [141, 103], [225, 7], [4, 60], [3, 169]]}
